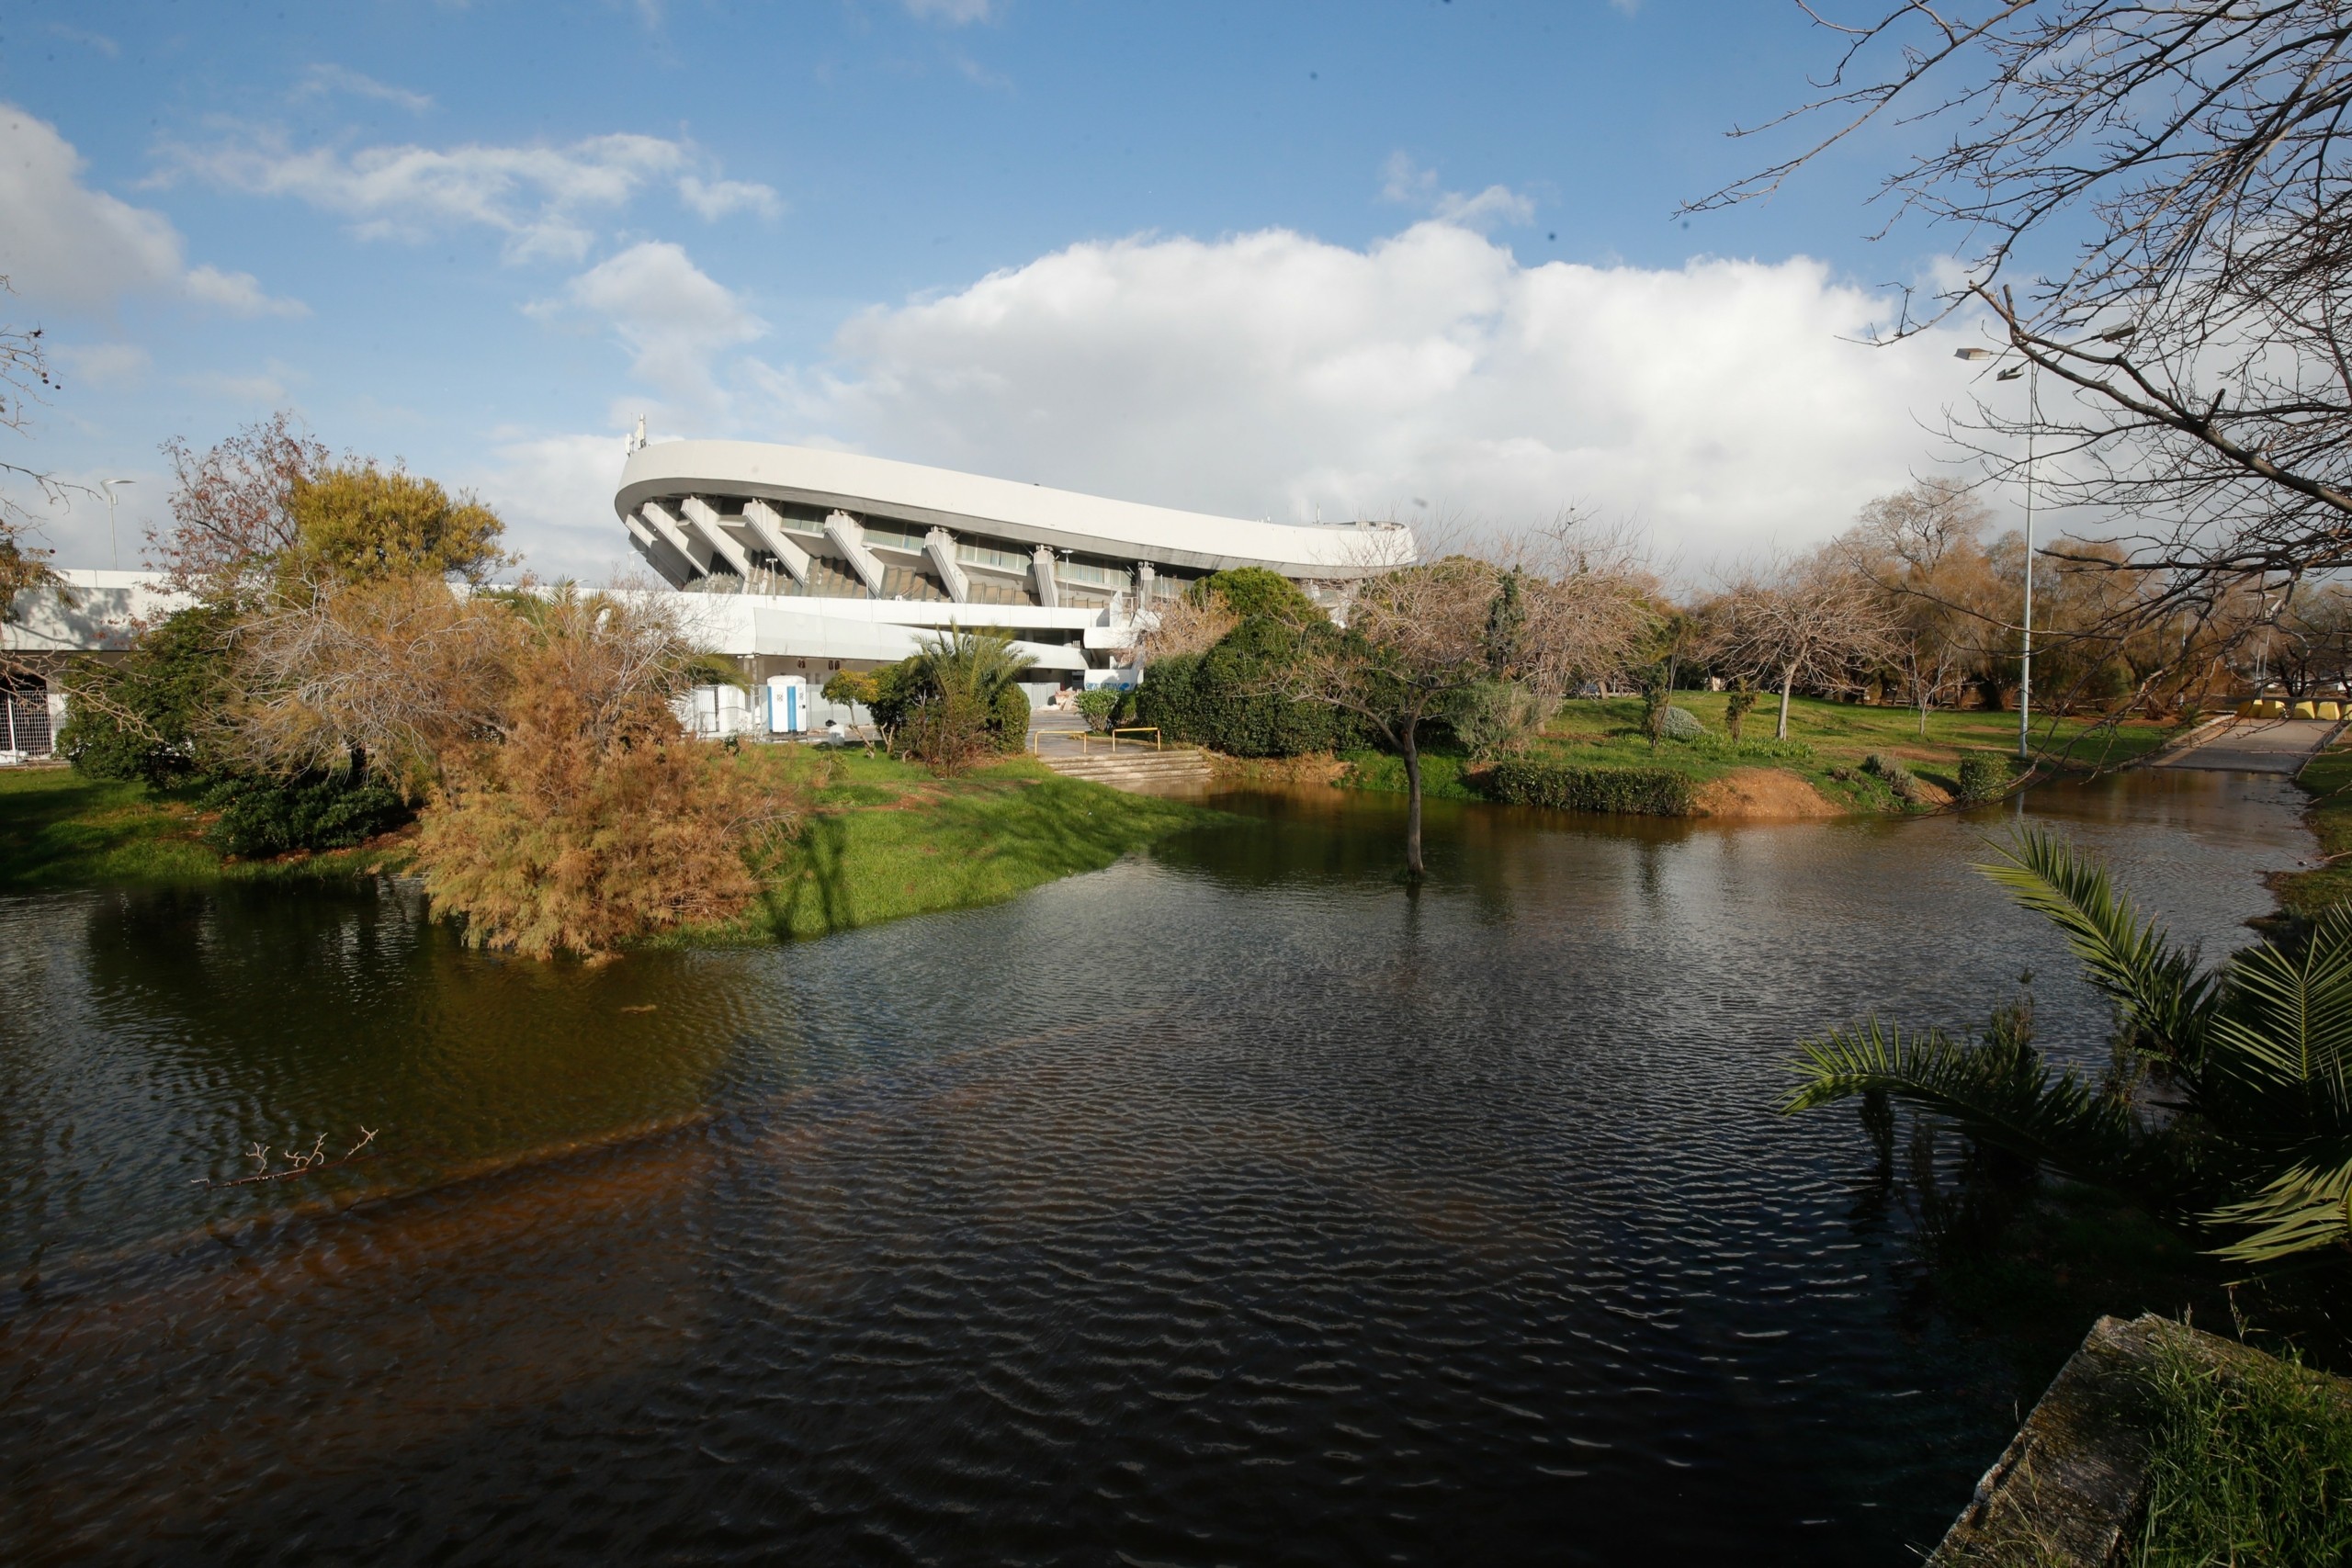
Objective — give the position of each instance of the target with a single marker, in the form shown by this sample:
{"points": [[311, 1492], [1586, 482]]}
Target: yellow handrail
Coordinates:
{"points": [[1086, 738]]}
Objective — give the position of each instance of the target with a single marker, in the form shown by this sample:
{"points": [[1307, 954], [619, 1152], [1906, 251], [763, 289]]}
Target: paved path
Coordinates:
{"points": [[2256, 746]]}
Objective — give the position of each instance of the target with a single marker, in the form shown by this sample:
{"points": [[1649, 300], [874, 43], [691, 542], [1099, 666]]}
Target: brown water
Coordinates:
{"points": [[1229, 1205]]}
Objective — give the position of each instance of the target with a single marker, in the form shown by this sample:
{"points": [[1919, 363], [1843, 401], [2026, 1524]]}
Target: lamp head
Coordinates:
{"points": [[1972, 354]]}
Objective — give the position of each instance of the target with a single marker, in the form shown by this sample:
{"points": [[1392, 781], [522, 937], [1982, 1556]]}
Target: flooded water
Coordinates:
{"points": [[1229, 1205]]}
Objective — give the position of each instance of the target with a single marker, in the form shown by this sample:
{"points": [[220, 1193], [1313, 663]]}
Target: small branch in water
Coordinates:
{"points": [[298, 1162]]}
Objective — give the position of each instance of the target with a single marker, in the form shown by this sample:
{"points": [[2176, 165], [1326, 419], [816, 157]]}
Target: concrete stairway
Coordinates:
{"points": [[1139, 771]]}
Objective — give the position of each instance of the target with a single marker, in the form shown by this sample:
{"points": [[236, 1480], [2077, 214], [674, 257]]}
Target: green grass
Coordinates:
{"points": [[887, 840], [2249, 1464], [883, 840], [1826, 744], [2327, 779], [61, 831]]}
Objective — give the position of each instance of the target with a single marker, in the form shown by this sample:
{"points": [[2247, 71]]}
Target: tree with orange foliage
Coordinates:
{"points": [[591, 819]]}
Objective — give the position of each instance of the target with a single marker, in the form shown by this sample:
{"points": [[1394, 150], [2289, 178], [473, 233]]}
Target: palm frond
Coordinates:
{"points": [[2167, 1004], [2287, 1022], [2307, 1206], [2005, 1095]]}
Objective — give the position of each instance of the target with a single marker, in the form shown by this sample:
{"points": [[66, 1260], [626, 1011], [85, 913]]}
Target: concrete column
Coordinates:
{"points": [[705, 517], [675, 537], [848, 536], [767, 525], [1041, 568], [940, 545]]}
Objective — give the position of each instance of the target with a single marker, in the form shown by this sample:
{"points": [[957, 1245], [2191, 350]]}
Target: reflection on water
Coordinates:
{"points": [[1233, 1203]]}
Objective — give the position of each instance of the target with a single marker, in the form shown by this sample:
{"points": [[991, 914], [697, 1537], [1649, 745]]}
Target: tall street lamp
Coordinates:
{"points": [[114, 545], [2032, 373]]}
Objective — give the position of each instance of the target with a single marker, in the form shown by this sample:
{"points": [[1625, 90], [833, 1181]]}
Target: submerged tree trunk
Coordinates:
{"points": [[1788, 679], [1410, 739]]}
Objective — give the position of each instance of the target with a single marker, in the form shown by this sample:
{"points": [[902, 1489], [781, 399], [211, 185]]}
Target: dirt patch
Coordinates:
{"points": [[1245, 772], [1759, 793]]}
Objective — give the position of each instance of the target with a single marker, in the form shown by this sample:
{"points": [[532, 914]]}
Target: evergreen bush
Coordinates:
{"points": [[261, 814], [174, 676], [1563, 787], [1010, 722], [1681, 723], [1984, 776], [1230, 699]]}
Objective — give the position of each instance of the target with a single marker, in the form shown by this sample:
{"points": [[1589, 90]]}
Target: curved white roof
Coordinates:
{"points": [[1006, 509]]}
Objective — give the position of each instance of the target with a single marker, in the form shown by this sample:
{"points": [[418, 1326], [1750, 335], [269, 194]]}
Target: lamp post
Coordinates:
{"points": [[2025, 659], [114, 544]]}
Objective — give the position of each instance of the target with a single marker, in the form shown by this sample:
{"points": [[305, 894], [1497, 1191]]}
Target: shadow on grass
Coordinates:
{"points": [[853, 868]]}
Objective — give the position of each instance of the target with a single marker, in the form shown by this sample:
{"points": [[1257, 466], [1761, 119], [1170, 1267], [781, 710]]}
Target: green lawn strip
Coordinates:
{"points": [[2248, 1464], [61, 831], [1827, 742], [2327, 779], [938, 844]]}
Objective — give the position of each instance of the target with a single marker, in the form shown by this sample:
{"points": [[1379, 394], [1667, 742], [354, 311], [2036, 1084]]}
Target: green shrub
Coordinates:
{"points": [[1896, 777], [263, 814], [1100, 707], [1563, 787], [1983, 775], [174, 677], [1741, 702], [1230, 699], [1496, 719], [1767, 750], [1254, 593], [1681, 723], [1010, 722]]}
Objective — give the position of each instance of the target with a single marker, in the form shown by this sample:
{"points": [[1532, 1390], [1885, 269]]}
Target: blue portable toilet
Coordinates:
{"points": [[787, 704]]}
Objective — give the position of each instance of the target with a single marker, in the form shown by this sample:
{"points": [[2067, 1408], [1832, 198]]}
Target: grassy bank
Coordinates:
{"points": [[1827, 743], [886, 840], [2328, 781], [882, 839], [61, 831], [2248, 1464]]}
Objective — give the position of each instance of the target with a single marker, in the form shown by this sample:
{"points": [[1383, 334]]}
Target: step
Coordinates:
{"points": [[1186, 765]]}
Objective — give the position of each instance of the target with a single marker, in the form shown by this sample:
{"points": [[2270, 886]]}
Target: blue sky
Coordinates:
{"points": [[1285, 260]]}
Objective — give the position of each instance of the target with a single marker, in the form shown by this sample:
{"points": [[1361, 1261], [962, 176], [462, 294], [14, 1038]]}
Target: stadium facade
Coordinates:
{"points": [[810, 561]]}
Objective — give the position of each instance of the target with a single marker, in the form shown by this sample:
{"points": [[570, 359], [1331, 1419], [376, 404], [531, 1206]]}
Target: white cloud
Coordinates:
{"points": [[543, 199], [555, 494], [239, 293], [1406, 182], [105, 364], [64, 246], [321, 80], [1723, 404], [61, 244], [716, 199], [954, 13], [673, 317]]}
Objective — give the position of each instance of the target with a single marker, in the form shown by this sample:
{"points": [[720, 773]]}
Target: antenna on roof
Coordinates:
{"points": [[637, 442]]}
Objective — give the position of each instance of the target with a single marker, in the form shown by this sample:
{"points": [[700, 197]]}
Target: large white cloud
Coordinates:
{"points": [[674, 318], [64, 246], [1723, 405]]}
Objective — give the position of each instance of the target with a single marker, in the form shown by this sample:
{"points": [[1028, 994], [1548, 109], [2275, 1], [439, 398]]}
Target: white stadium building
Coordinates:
{"points": [[811, 561]]}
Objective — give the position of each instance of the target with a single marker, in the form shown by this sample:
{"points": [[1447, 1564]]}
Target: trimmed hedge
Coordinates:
{"points": [[1984, 776], [1647, 792]]}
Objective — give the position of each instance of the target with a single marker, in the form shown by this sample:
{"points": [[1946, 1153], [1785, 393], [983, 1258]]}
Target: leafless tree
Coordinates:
{"points": [[2198, 343], [1812, 622], [232, 506], [1541, 611]]}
